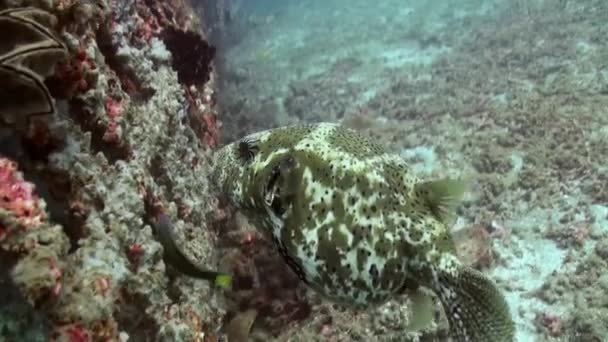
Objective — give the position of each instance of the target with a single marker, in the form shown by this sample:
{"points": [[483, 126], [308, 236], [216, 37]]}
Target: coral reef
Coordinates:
{"points": [[192, 55], [26, 234], [34, 248], [129, 137]]}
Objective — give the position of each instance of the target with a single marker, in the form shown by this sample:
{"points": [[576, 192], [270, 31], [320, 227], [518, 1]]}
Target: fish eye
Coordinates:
{"points": [[247, 149]]}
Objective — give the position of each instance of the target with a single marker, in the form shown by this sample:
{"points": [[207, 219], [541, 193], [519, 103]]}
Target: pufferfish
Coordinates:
{"points": [[356, 225]]}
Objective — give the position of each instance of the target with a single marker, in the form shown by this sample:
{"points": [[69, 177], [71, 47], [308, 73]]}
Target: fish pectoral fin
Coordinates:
{"points": [[442, 197], [474, 306], [422, 309]]}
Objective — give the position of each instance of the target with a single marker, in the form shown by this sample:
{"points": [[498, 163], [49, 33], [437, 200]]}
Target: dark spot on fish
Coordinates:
{"points": [[373, 270]]}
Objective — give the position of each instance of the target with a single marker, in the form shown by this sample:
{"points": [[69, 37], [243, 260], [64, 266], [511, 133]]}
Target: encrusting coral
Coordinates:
{"points": [[27, 235], [127, 140]]}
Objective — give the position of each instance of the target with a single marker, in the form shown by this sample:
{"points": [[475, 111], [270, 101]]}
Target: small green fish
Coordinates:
{"points": [[176, 258], [355, 225]]}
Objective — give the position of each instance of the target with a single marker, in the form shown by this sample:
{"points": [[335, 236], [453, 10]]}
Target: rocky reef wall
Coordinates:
{"points": [[108, 122]]}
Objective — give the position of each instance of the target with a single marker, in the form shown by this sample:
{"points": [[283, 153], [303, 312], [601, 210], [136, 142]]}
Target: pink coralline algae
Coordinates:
{"points": [[552, 324], [17, 196], [71, 76], [202, 117], [114, 111], [71, 333], [26, 234], [211, 134], [134, 252]]}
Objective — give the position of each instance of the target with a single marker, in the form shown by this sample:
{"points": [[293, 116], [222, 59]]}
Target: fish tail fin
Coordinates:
{"points": [[474, 306]]}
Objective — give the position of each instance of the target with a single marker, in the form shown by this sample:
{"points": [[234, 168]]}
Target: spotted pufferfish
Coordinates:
{"points": [[355, 225]]}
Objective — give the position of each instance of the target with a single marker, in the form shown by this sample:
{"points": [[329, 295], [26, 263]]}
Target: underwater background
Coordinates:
{"points": [[111, 110]]}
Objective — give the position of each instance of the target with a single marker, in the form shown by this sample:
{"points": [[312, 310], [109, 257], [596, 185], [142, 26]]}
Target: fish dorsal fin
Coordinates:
{"points": [[442, 196]]}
